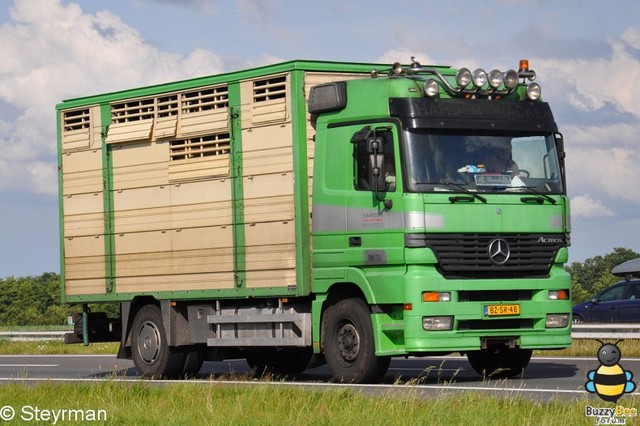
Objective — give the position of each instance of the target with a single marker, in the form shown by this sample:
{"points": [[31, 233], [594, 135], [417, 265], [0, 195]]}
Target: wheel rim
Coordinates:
{"points": [[348, 341], [149, 342]]}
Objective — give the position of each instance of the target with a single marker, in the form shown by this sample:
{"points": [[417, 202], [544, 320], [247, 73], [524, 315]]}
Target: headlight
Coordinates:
{"points": [[495, 79], [431, 88], [533, 91], [479, 77], [437, 323], [511, 79], [463, 77], [557, 320]]}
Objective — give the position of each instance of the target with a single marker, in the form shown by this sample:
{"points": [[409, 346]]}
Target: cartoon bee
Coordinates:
{"points": [[609, 381]]}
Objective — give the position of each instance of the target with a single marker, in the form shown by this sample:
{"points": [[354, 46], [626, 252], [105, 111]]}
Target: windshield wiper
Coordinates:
{"points": [[540, 196], [466, 191]]}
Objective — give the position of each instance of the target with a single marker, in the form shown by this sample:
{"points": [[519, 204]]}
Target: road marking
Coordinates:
{"points": [[28, 365]]}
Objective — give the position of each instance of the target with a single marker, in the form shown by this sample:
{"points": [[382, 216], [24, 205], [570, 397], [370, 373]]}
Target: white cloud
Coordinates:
{"points": [[602, 155], [53, 51], [631, 36], [587, 206], [403, 55], [593, 82]]}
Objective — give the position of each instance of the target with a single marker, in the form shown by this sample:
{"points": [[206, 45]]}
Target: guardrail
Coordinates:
{"points": [[605, 331], [32, 335], [579, 331]]}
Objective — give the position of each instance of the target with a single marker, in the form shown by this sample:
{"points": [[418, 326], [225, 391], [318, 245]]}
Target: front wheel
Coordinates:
{"points": [[349, 346], [499, 363], [152, 355]]}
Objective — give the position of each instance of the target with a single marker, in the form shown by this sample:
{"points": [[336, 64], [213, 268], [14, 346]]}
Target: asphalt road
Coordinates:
{"points": [[545, 378]]}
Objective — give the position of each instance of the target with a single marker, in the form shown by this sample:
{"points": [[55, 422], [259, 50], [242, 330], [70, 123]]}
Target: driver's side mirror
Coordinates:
{"points": [[370, 143], [560, 144]]}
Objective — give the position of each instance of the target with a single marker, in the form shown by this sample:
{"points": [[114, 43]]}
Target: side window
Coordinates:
{"points": [[612, 294], [634, 293], [366, 163]]}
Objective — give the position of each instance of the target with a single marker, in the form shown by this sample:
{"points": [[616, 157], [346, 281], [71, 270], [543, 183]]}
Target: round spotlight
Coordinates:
{"points": [[463, 77], [397, 68], [431, 88], [479, 77], [532, 75], [533, 91], [511, 79], [495, 79]]}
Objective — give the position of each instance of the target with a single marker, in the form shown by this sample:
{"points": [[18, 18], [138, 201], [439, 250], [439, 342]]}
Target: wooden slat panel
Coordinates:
{"points": [[82, 172], [205, 122], [165, 128], [133, 131], [83, 215], [212, 281]]}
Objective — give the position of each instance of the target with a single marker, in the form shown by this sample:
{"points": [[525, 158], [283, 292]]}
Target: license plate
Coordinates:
{"points": [[498, 310]]}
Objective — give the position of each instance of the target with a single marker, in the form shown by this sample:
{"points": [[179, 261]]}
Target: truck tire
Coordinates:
{"points": [[500, 363], [152, 356], [349, 346]]}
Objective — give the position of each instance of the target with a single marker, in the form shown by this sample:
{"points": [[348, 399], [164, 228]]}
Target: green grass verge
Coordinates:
{"points": [[180, 404], [55, 347], [589, 347], [582, 347]]}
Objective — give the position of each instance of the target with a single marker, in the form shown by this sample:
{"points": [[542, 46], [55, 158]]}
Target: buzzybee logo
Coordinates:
{"points": [[609, 381]]}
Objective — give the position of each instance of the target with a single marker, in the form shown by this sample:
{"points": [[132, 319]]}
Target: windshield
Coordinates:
{"points": [[481, 161]]}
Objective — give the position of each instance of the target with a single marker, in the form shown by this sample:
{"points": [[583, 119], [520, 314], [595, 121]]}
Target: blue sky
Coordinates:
{"points": [[586, 54]]}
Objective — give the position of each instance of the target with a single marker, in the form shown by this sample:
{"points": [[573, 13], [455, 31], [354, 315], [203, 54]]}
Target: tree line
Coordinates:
{"points": [[36, 300]]}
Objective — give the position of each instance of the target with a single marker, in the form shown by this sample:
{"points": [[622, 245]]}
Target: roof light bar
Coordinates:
{"points": [[472, 84]]}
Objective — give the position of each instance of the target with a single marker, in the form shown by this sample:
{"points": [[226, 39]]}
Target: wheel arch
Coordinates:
{"points": [[338, 291], [128, 312]]}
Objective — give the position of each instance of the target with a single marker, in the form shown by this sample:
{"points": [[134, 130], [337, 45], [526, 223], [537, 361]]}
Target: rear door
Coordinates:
{"points": [[605, 308], [629, 308]]}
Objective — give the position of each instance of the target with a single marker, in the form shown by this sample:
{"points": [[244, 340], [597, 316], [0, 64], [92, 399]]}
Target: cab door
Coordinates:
{"points": [[374, 213]]}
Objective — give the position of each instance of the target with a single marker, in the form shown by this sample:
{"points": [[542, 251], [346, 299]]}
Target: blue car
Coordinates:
{"points": [[618, 303]]}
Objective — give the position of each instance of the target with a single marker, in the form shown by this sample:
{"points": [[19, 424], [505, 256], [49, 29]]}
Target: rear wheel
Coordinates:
{"points": [[349, 345], [152, 355], [499, 363]]}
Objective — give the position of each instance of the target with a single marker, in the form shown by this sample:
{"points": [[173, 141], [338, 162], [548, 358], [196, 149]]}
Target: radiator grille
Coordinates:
{"points": [[468, 255]]}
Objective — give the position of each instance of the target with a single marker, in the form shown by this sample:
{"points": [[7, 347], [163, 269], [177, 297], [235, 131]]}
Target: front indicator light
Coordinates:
{"points": [[434, 296], [437, 323], [558, 295], [556, 320]]}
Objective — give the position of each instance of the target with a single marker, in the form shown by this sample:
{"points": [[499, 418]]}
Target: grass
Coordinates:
{"points": [[589, 347], [55, 347], [265, 404], [580, 347], [148, 403]]}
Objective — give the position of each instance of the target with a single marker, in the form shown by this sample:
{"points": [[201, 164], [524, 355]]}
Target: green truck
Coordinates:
{"points": [[309, 212]]}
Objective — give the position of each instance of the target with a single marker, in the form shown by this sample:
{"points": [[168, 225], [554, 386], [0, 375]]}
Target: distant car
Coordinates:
{"points": [[618, 303]]}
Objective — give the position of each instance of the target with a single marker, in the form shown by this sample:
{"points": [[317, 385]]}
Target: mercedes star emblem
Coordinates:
{"points": [[499, 251]]}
